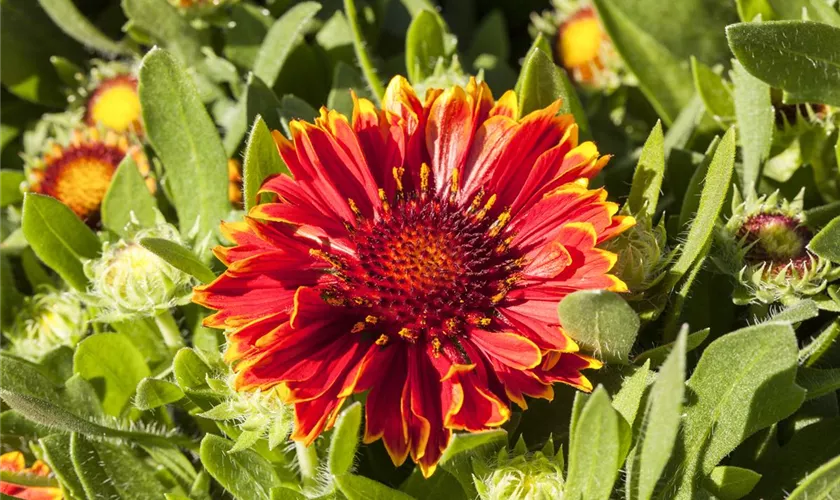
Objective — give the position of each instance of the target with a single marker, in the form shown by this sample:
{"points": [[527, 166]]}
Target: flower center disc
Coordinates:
{"points": [[777, 238], [116, 105], [81, 176], [427, 268]]}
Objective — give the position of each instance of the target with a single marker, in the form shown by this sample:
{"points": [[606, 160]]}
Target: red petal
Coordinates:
{"points": [[509, 348]]}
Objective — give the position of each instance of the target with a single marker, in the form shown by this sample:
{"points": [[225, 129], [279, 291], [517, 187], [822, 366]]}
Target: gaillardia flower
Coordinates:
{"points": [[79, 173], [14, 462], [581, 44], [419, 253], [114, 103]]}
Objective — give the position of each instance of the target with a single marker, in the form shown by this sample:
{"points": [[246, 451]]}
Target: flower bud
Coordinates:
{"points": [[258, 414], [640, 252], [521, 476], [767, 241], [128, 281], [46, 321]]}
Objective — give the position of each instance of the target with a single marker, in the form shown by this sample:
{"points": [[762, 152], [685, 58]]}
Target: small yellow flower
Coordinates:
{"points": [[115, 104]]}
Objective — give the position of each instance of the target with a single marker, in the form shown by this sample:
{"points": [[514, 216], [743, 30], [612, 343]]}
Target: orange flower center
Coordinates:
{"points": [[80, 177], [579, 43], [427, 268], [115, 104]]}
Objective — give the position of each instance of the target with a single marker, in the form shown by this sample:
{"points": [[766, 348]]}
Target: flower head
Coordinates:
{"points": [[47, 320], [234, 167], [581, 44], [768, 240], [115, 104], [128, 280], [15, 462], [419, 253], [79, 173]]}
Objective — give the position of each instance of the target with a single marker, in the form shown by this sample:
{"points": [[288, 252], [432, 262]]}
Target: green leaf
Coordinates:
{"points": [[715, 92], [179, 257], [662, 78], [27, 42], [261, 161], [456, 459], [749, 9], [731, 483], [163, 22], [647, 178], [245, 473], [743, 383], [243, 40], [281, 39], [58, 237], [711, 202], [257, 100], [818, 382], [345, 440], [823, 484], [756, 122], [362, 55], [108, 471], [72, 22], [185, 139], [56, 449], [345, 80], [601, 322], [826, 243], [797, 56], [594, 450], [424, 45], [629, 397], [128, 195], [657, 355], [10, 181], [361, 488], [783, 468], [95, 359], [190, 370], [153, 393], [660, 423], [818, 347], [541, 83]]}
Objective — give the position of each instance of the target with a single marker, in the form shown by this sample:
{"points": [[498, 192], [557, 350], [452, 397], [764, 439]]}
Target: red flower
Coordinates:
{"points": [[14, 462], [419, 253]]}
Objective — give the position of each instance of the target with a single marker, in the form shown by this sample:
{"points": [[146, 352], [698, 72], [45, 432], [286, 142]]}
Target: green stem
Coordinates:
{"points": [[169, 330], [361, 52], [307, 457]]}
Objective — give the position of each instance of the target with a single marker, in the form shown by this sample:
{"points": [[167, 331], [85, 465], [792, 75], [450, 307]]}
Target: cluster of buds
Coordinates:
{"points": [[258, 414], [128, 280], [518, 474], [46, 321], [765, 245]]}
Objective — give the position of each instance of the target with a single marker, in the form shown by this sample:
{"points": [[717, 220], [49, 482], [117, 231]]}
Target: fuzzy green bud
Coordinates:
{"points": [[258, 414], [640, 254], [129, 280], [520, 475], [765, 246], [46, 321]]}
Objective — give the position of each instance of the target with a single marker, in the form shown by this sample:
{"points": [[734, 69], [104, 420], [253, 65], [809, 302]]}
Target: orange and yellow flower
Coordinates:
{"points": [[79, 173], [234, 167], [115, 104], [419, 255], [14, 462]]}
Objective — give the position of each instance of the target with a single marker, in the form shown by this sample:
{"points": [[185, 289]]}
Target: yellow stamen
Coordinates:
{"points": [[384, 199], [436, 346], [358, 327], [487, 206], [501, 222], [455, 184], [398, 173], [407, 334], [382, 340], [354, 208], [425, 171], [371, 319]]}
